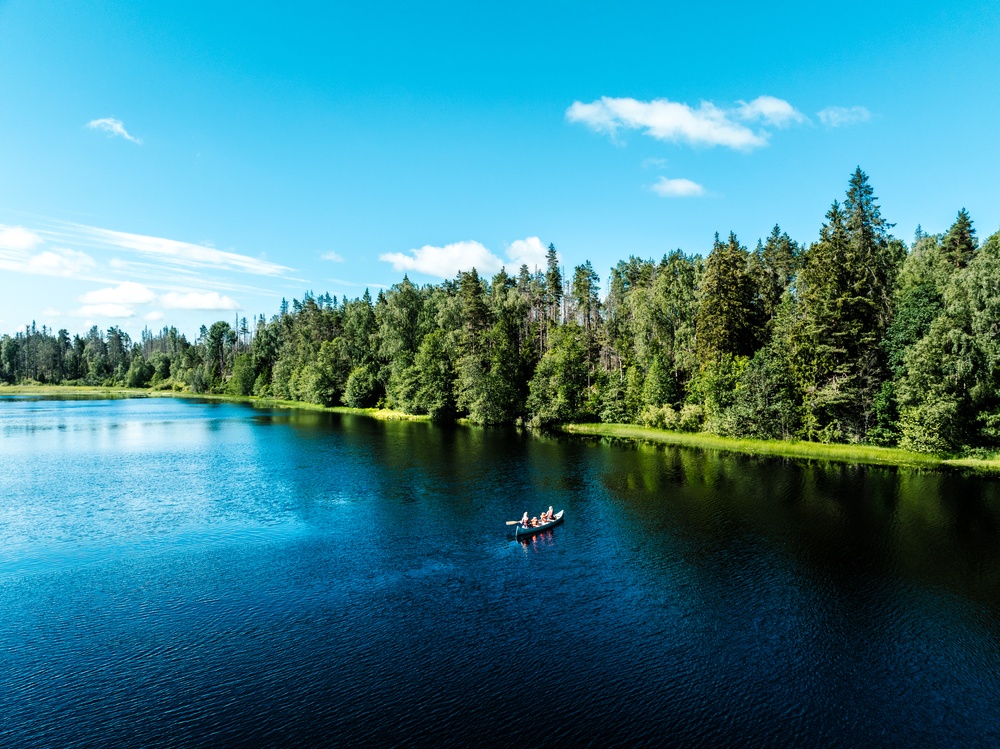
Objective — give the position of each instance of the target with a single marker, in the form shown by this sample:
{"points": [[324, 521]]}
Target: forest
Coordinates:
{"points": [[854, 338]]}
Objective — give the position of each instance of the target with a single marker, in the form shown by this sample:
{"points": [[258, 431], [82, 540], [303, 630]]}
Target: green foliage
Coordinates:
{"points": [[714, 389], [959, 244], [243, 377], [140, 372], [692, 418], [851, 338], [436, 378], [885, 409], [363, 388], [660, 417], [658, 388], [557, 392], [765, 402], [612, 401], [727, 321], [949, 394], [845, 305]]}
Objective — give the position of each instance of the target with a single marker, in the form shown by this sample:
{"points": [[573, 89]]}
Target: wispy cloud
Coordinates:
{"points": [[153, 316], [333, 257], [356, 284], [677, 188], [840, 116], [172, 251], [113, 127], [446, 261], [193, 300], [706, 125]]}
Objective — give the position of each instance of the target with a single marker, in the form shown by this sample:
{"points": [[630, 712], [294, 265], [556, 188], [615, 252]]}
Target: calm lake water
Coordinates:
{"points": [[179, 573]]}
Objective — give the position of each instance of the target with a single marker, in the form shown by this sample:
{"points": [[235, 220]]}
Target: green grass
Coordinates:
{"points": [[68, 390], [861, 454], [382, 414]]}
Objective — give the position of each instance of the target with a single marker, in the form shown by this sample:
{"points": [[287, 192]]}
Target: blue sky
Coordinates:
{"points": [[182, 162]]}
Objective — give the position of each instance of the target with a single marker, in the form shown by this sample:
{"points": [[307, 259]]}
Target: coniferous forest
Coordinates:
{"points": [[854, 338]]}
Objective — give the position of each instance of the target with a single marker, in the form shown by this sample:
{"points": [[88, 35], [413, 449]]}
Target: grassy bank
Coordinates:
{"points": [[89, 390], [861, 454], [382, 414]]}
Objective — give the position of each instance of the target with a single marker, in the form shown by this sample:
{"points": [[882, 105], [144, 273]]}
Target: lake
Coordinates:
{"points": [[185, 573]]}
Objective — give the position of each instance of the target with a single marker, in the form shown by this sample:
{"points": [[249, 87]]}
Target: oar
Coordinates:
{"points": [[513, 522]]}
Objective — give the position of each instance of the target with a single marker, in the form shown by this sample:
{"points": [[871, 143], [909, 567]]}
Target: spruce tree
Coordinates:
{"points": [[553, 284], [725, 322], [960, 241]]}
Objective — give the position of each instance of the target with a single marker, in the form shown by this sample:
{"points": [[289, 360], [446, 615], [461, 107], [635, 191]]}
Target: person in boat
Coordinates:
{"points": [[524, 520], [548, 515]]}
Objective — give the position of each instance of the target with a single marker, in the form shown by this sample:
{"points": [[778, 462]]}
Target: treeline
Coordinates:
{"points": [[854, 338]]}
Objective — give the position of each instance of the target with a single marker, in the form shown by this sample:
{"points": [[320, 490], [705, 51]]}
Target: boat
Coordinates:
{"points": [[520, 531]]}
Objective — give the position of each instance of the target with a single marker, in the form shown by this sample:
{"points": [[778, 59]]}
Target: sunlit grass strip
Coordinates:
{"points": [[864, 454], [68, 390], [382, 414]]}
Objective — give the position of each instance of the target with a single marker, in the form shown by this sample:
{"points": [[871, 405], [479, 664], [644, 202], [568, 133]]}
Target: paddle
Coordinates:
{"points": [[513, 522]]}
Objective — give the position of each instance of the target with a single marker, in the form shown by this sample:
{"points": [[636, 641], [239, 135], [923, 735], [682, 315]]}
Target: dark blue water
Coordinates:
{"points": [[175, 573]]}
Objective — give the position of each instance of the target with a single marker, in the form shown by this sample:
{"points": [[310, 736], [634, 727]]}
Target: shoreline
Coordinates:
{"points": [[840, 453], [835, 452], [381, 414]]}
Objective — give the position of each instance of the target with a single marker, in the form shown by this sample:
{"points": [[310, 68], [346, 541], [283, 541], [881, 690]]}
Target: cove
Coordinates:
{"points": [[179, 572]]}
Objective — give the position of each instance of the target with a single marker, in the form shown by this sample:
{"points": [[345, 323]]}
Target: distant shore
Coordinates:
{"points": [[383, 414], [857, 454]]}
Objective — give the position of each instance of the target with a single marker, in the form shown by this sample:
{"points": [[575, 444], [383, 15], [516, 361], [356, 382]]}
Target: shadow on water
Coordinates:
{"points": [[930, 527]]}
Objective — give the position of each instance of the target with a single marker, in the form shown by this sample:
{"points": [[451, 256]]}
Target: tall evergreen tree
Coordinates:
{"points": [[960, 241], [725, 322]]}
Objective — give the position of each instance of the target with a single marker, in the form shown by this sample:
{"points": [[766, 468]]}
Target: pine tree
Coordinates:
{"points": [[960, 241], [553, 285], [725, 321], [845, 294]]}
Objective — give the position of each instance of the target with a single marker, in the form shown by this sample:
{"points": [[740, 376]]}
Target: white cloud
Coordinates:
{"points": [[51, 312], [770, 110], [59, 261], [666, 120], [127, 292], [333, 257], [175, 252], [104, 310], [677, 188], [529, 251], [113, 127], [18, 238], [445, 262], [840, 116], [194, 300], [153, 316]]}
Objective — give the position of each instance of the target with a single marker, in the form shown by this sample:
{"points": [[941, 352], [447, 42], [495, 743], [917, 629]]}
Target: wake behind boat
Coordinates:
{"points": [[520, 530]]}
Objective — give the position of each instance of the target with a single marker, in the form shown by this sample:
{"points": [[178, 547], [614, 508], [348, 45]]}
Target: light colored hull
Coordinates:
{"points": [[520, 531]]}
